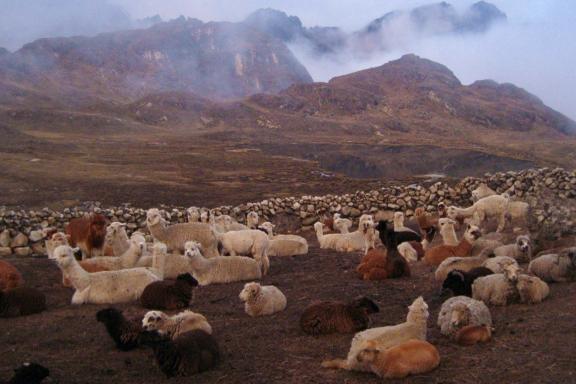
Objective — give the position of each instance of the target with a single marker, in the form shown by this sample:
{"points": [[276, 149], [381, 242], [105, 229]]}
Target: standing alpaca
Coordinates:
{"points": [[492, 206], [88, 233]]}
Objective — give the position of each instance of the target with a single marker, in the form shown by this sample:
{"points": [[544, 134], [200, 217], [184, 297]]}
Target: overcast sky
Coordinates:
{"points": [[535, 49]]}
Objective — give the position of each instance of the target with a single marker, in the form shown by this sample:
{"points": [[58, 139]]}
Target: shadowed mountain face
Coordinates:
{"points": [[217, 60]]}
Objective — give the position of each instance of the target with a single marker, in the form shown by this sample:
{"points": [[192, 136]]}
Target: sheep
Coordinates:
{"points": [[473, 334], [485, 243], [340, 224], [360, 240], [325, 317], [169, 294], [21, 301], [399, 223], [246, 242], [497, 289], [463, 264], [555, 267], [9, 276], [389, 235], [174, 326], [436, 255], [385, 337], [460, 282], [521, 250], [221, 269], [461, 311], [447, 231], [117, 238], [409, 358], [123, 332], [284, 245], [193, 352], [262, 300], [499, 263], [532, 290], [252, 220], [193, 214], [88, 233], [57, 239], [487, 207], [107, 287], [175, 236], [29, 373], [482, 191]]}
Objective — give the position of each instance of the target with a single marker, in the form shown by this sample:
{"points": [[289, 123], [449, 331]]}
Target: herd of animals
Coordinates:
{"points": [[479, 270]]}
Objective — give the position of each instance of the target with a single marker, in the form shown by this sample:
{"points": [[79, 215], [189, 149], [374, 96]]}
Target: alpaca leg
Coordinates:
{"points": [[336, 364], [501, 222], [81, 297]]}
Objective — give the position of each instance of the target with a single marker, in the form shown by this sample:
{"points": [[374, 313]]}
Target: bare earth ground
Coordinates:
{"points": [[533, 344]]}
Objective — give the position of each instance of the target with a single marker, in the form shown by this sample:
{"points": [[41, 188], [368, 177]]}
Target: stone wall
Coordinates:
{"points": [[550, 192]]}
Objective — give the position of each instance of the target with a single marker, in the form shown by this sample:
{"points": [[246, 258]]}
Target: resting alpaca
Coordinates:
{"points": [[360, 240], [252, 220], [88, 233], [113, 263], [169, 294], [521, 250], [221, 269], [447, 231], [175, 264], [463, 264], [284, 245], [555, 267], [246, 242], [340, 224], [497, 289], [9, 276], [324, 317], [117, 238], [105, 287], [21, 301], [124, 332], [436, 255], [262, 300], [174, 326], [175, 236], [399, 223], [385, 337], [461, 311], [387, 234], [193, 352], [409, 358], [492, 206], [380, 264]]}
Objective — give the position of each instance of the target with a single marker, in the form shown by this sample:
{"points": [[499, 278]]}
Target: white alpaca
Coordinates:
{"points": [[340, 224], [175, 236], [57, 239], [193, 214], [117, 238], [113, 263], [482, 191], [252, 220], [448, 232], [109, 287], [360, 240], [521, 250], [284, 245], [174, 326], [221, 269], [174, 266], [495, 206], [399, 223], [246, 242], [262, 300]]}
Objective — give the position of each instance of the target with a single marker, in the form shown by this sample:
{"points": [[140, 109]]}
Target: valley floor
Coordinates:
{"points": [[532, 344]]}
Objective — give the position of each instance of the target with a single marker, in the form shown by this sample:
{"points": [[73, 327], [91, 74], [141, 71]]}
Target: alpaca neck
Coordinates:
{"points": [[199, 263], [159, 262], [463, 248], [158, 231], [398, 223], [79, 278], [319, 233], [466, 212], [121, 244], [131, 256]]}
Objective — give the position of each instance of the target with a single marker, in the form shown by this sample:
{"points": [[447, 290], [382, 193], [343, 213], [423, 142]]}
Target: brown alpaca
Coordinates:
{"points": [[88, 234], [329, 223], [381, 264], [409, 358], [435, 256], [425, 220], [473, 334], [9, 276]]}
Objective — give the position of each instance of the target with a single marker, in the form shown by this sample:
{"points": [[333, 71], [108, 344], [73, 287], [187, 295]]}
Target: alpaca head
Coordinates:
{"points": [[399, 217], [153, 217], [366, 218], [64, 255], [114, 231], [30, 373], [188, 279], [319, 227], [154, 320], [268, 227], [193, 214], [460, 315], [418, 310], [441, 208], [98, 225], [250, 291], [367, 304], [192, 249], [369, 352], [252, 219], [511, 272], [523, 243], [472, 233], [446, 225]]}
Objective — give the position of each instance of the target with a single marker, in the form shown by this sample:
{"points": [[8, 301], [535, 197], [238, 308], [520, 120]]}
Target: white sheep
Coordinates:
{"points": [[221, 269], [340, 224], [447, 231], [555, 267], [252, 220], [532, 289], [284, 245], [482, 191], [174, 326], [193, 214], [262, 300], [360, 240], [495, 206], [175, 236], [103, 287], [521, 250], [497, 289], [499, 263], [387, 337], [246, 242], [461, 311]]}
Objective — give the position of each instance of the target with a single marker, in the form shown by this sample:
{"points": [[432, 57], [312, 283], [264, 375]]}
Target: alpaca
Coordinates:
{"points": [[461, 311], [497, 289], [169, 294], [555, 267], [436, 255], [473, 334], [116, 238], [246, 242], [491, 206], [88, 233], [124, 332], [360, 240], [447, 231], [399, 223]]}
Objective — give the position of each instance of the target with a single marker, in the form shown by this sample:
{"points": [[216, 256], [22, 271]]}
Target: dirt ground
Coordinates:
{"points": [[532, 344]]}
